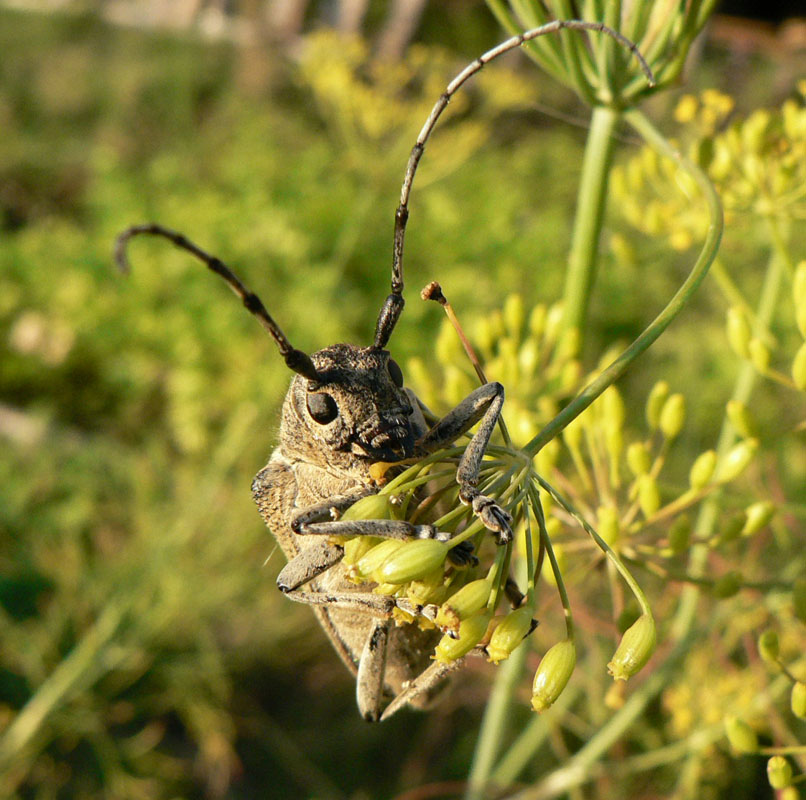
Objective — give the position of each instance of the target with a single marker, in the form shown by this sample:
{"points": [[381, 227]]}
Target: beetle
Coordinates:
{"points": [[346, 410]]}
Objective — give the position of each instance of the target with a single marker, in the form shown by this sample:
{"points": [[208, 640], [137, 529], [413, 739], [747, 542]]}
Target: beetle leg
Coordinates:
{"points": [[369, 687], [423, 683], [383, 528], [483, 404]]}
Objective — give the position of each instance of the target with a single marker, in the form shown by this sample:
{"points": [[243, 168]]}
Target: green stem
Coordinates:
{"points": [[591, 201], [672, 309]]}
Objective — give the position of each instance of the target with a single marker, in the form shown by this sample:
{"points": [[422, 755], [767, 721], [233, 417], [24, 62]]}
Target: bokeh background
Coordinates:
{"points": [[144, 651]]}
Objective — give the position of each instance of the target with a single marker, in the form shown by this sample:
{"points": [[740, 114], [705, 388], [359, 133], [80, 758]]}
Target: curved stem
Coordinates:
{"points": [[675, 305]]}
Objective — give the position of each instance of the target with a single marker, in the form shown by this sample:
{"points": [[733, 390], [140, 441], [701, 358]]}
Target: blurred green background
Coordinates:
{"points": [[140, 629]]}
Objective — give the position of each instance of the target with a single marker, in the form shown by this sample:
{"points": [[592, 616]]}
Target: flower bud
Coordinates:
{"points": [[741, 418], [702, 470], [799, 598], [373, 506], [758, 515], [768, 646], [728, 585], [357, 547], [736, 460], [680, 534], [799, 365], [799, 286], [672, 416], [759, 354], [638, 459], [779, 772], [537, 321], [798, 699], [471, 632], [612, 407], [412, 561], [648, 495], [636, 646], [430, 589], [509, 633], [738, 331], [370, 561], [465, 602], [514, 316], [608, 525], [654, 404], [553, 674], [741, 736]]}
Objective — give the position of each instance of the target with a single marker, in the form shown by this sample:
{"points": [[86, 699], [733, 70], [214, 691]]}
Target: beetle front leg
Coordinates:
{"points": [[483, 404], [369, 686]]}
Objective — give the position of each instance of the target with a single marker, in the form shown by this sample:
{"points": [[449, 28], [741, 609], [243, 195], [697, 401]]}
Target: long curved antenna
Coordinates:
{"points": [[390, 312], [295, 359]]}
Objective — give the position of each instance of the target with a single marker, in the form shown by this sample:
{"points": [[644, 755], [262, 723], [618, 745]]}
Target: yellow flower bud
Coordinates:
{"points": [[759, 354], [799, 366], [738, 331], [680, 534], [463, 603], [768, 646], [612, 407], [672, 416], [654, 404], [471, 632], [537, 321], [636, 646], [779, 772], [799, 286], [514, 316], [758, 515], [798, 699], [412, 561], [430, 589], [638, 459], [608, 524], [648, 495], [741, 736], [702, 470], [357, 547], [509, 633], [553, 674], [741, 418], [736, 460]]}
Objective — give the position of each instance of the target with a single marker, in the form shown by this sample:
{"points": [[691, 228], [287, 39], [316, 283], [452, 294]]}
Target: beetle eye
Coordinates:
{"points": [[395, 373], [322, 407]]}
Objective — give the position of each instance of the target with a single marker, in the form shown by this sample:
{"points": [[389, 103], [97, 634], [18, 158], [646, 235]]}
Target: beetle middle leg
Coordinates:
{"points": [[483, 404]]}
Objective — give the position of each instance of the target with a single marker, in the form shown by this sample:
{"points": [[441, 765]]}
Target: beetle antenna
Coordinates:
{"points": [[295, 359], [393, 305]]}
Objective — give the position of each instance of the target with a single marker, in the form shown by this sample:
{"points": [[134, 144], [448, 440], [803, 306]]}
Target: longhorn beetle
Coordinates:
{"points": [[345, 411]]}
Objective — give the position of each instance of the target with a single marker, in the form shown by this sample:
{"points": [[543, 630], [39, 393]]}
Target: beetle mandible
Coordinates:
{"points": [[346, 410]]}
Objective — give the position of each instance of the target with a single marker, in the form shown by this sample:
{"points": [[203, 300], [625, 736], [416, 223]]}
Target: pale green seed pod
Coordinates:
{"points": [[740, 417], [430, 589], [758, 516], [738, 332], [702, 470], [799, 366], [553, 674], [357, 547], [728, 585], [779, 772], [741, 736], [412, 561], [672, 416], [612, 407], [799, 598], [680, 534], [635, 648], [369, 562], [638, 459], [471, 632], [648, 495], [608, 525], [509, 633], [798, 699], [654, 403], [463, 603], [759, 354], [373, 506], [768, 647]]}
